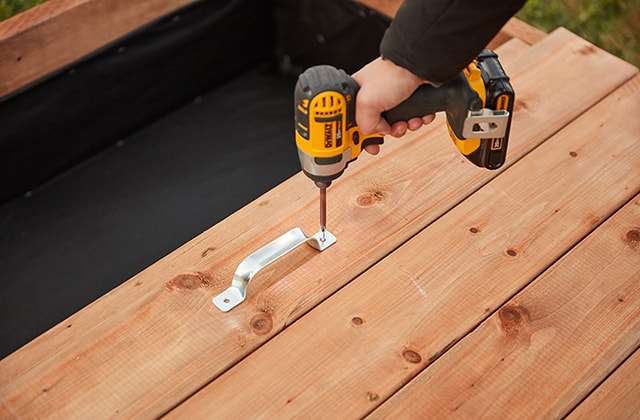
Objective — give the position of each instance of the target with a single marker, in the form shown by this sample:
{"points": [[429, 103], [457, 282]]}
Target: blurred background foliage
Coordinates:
{"points": [[613, 25], [9, 8]]}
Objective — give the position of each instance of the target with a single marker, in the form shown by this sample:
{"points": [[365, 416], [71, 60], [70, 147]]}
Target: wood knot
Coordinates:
{"points": [[189, 281], [586, 49], [411, 356], [513, 318], [261, 324], [357, 321], [371, 197], [372, 396], [520, 105], [207, 251], [511, 252], [633, 237], [529, 102]]}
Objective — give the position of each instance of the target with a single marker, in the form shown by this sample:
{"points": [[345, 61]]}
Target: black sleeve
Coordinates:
{"points": [[436, 39]]}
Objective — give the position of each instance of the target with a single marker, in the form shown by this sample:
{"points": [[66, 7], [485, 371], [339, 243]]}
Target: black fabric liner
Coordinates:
{"points": [[123, 209], [130, 154], [87, 107]]}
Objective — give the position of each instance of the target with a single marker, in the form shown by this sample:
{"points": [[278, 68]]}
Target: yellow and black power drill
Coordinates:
{"points": [[478, 103]]}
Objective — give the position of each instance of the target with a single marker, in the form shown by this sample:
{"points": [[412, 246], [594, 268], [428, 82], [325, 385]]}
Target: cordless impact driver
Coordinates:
{"points": [[478, 104]]}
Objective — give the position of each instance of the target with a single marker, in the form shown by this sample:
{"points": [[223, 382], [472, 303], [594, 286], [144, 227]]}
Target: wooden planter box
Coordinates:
{"points": [[452, 291]]}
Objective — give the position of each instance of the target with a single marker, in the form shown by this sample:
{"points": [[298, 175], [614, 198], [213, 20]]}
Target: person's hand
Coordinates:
{"points": [[383, 85]]}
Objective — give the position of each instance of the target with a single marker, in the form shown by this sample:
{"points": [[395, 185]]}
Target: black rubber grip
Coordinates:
{"points": [[455, 97], [426, 100]]}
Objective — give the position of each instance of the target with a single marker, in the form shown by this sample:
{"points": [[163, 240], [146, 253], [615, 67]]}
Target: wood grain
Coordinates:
{"points": [[48, 37], [147, 345], [540, 354], [370, 338], [617, 397]]}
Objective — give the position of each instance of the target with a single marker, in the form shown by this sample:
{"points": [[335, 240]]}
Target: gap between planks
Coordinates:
{"points": [[616, 397]]}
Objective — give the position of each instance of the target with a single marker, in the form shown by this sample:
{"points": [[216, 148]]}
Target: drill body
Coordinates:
{"points": [[478, 104], [326, 132]]}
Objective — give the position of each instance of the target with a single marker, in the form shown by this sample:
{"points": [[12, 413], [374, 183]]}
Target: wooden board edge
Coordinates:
{"points": [[52, 35], [517, 28]]}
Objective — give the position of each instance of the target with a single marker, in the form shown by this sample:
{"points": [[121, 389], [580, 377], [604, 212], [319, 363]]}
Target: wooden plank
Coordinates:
{"points": [[152, 342], [617, 397], [50, 36], [541, 353], [366, 341]]}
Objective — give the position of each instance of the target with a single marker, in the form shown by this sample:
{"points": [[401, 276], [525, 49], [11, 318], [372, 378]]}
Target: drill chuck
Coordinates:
{"points": [[323, 170]]}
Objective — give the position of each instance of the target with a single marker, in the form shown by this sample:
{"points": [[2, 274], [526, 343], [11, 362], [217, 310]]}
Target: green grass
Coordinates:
{"points": [[9, 8], [613, 25]]}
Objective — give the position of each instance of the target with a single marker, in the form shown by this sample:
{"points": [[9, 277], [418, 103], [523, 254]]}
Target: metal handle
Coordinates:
{"points": [[255, 262]]}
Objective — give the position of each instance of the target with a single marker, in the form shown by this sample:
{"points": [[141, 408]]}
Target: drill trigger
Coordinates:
{"points": [[372, 140]]}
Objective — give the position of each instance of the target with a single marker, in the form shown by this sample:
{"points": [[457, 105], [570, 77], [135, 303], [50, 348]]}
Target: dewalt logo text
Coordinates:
{"points": [[328, 136]]}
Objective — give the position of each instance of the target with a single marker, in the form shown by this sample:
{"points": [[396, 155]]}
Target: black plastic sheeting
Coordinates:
{"points": [[122, 158]]}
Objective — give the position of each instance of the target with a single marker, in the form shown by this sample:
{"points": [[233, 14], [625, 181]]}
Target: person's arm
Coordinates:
{"points": [[436, 39], [429, 41]]}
